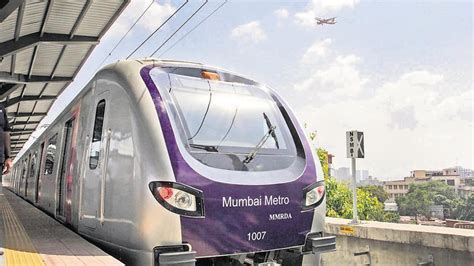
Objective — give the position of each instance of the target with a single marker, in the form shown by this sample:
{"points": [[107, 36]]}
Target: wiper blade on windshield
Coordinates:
{"points": [[209, 148], [269, 126], [271, 132]]}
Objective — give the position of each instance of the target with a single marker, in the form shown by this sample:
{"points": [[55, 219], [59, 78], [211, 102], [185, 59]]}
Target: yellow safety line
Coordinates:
{"points": [[19, 249]]}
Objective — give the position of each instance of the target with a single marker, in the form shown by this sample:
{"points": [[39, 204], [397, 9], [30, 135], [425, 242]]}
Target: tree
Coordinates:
{"points": [[421, 196], [416, 202], [338, 199], [466, 209], [376, 191], [339, 202], [323, 158]]}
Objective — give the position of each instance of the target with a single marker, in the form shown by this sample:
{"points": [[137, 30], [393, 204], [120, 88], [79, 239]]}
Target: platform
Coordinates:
{"points": [[28, 236]]}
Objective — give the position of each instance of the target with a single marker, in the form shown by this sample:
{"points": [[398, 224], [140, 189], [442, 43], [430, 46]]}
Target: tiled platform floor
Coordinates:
{"points": [[30, 237]]}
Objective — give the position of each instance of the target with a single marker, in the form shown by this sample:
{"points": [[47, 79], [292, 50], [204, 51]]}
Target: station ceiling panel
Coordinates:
{"points": [[43, 44]]}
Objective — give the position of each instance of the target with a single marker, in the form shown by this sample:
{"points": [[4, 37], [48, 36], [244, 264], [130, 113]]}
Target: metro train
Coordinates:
{"points": [[161, 162]]}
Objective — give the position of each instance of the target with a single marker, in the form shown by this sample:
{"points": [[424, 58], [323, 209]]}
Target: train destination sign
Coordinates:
{"points": [[355, 144]]}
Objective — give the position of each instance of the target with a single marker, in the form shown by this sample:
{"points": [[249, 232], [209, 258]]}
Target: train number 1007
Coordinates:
{"points": [[255, 236]]}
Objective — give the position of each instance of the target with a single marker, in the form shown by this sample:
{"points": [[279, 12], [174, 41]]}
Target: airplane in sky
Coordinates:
{"points": [[322, 21]]}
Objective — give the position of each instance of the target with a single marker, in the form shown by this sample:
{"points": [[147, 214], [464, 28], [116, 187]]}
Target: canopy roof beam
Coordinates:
{"points": [[13, 47], [16, 100], [23, 79], [7, 88], [26, 114], [7, 8]]}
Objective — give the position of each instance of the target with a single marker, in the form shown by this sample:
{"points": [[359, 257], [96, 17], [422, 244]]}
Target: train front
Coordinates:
{"points": [[247, 185]]}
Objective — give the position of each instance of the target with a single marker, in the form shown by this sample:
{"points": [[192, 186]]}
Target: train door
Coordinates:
{"points": [[63, 181], [92, 205], [38, 173]]}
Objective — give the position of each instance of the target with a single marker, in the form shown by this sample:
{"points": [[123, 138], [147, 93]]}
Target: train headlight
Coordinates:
{"points": [[313, 195], [185, 201], [178, 198]]}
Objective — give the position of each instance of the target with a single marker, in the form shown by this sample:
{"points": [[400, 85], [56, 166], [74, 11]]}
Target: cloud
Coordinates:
{"points": [[415, 91], [281, 13], [251, 32], [404, 118], [414, 120], [317, 50], [341, 78], [321, 8]]}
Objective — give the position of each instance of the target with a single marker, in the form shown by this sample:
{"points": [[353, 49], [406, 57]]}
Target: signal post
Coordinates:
{"points": [[355, 149]]}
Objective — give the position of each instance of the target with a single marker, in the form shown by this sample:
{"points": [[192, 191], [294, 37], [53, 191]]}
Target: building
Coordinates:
{"points": [[465, 172], [398, 188], [362, 175], [450, 180], [390, 206], [467, 187], [370, 181], [465, 190], [342, 174]]}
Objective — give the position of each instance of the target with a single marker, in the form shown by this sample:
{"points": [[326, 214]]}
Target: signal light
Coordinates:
{"points": [[178, 198]]}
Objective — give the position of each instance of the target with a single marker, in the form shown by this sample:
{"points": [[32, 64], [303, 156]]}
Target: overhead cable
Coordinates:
{"points": [[199, 24], [162, 24], [182, 25], [125, 35]]}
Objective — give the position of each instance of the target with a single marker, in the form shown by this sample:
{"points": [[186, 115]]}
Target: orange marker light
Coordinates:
{"points": [[210, 75]]}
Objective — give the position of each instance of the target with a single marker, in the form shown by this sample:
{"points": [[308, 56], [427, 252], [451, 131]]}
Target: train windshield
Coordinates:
{"points": [[227, 116], [227, 121]]}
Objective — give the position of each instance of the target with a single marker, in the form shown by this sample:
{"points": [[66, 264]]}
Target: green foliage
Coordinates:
{"points": [[421, 196], [466, 209], [391, 217], [339, 203], [338, 199], [323, 158], [416, 202], [376, 191]]}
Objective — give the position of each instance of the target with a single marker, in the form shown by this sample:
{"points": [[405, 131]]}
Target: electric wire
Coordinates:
{"points": [[162, 24], [125, 35], [176, 31], [199, 24]]}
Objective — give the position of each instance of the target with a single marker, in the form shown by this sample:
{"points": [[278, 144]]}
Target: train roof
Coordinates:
{"points": [[178, 63]]}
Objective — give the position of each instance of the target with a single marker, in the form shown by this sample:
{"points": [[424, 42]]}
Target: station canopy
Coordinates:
{"points": [[43, 44]]}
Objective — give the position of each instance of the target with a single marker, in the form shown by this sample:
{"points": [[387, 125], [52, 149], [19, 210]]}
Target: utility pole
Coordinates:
{"points": [[355, 149]]}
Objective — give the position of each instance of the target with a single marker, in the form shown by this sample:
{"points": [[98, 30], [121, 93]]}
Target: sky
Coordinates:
{"points": [[400, 71]]}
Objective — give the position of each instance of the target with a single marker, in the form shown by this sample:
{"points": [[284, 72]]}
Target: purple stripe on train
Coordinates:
{"points": [[271, 218]]}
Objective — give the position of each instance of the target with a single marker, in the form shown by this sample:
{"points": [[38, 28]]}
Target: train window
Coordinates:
{"points": [[25, 169], [32, 166], [97, 135], [50, 155]]}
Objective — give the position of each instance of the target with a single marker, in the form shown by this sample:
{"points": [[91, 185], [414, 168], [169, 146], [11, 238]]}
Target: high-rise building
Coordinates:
{"points": [[342, 173], [362, 175]]}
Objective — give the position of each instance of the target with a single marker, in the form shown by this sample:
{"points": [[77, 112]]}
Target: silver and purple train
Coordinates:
{"points": [[163, 162]]}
